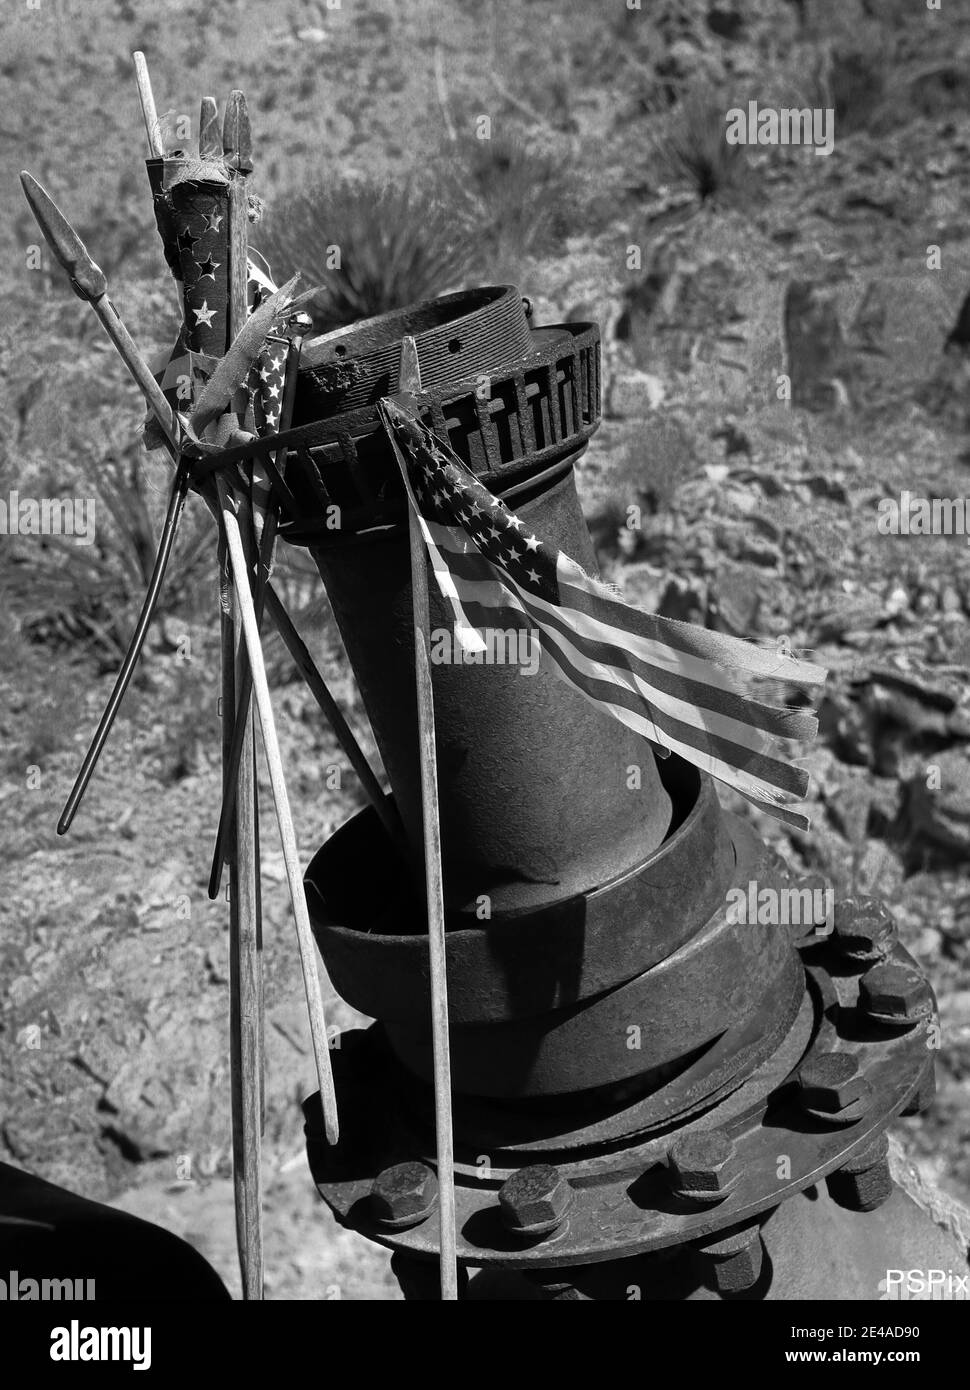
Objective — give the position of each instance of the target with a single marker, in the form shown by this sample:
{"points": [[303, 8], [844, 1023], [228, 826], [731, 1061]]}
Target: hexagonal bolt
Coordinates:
{"points": [[702, 1167], [733, 1264], [831, 1086], [896, 995], [405, 1194], [864, 929], [534, 1201], [925, 1093], [864, 1181]]}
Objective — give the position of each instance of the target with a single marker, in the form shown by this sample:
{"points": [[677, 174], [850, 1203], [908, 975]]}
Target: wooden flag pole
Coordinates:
{"points": [[267, 541], [410, 382], [291, 857], [245, 924], [245, 1055], [148, 106]]}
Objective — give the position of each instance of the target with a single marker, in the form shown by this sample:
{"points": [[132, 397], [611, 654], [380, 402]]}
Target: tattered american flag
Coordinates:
{"points": [[688, 690], [180, 371]]}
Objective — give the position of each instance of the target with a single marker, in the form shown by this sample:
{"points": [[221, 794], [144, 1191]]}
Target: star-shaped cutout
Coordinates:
{"points": [[186, 240], [213, 221], [204, 315], [208, 267]]}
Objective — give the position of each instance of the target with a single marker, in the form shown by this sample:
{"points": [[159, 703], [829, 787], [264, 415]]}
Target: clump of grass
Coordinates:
{"points": [[85, 598], [693, 150], [514, 199], [370, 248]]}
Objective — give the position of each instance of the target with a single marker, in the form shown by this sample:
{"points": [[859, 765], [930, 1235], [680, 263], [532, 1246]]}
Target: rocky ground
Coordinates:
{"points": [[780, 357]]}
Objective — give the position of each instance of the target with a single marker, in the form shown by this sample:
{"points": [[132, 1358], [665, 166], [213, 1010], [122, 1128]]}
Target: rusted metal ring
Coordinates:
{"points": [[513, 966], [458, 335], [722, 976], [525, 416]]}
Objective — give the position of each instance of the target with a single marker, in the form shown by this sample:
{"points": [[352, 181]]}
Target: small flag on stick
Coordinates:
{"points": [[688, 690]]}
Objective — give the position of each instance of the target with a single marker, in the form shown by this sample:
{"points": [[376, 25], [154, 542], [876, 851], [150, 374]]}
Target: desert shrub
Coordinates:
{"points": [[76, 435], [692, 149], [370, 248], [515, 200], [86, 598]]}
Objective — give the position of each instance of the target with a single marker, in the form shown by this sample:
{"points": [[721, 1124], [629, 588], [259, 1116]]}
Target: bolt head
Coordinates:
{"points": [[896, 994], [701, 1165], [831, 1081], [864, 929], [864, 1181], [733, 1263], [534, 1200], [404, 1194]]}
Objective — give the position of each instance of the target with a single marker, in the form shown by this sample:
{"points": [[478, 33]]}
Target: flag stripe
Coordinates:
{"points": [[652, 650], [701, 694], [757, 791], [648, 712], [583, 594], [779, 722]]}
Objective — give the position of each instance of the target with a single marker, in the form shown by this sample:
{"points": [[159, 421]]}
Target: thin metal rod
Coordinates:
{"points": [[291, 858], [176, 500]]}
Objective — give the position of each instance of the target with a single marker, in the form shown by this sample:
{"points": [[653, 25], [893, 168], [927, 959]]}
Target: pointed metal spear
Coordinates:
{"points": [[90, 284]]}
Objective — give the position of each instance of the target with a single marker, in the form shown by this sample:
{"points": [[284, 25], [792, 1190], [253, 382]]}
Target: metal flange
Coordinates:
{"points": [[515, 965], [622, 1202]]}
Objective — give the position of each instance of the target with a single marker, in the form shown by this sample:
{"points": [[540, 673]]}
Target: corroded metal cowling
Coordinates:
{"points": [[651, 1091], [542, 795]]}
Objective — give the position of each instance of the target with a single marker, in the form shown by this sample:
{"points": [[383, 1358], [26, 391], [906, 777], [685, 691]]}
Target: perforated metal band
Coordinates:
{"points": [[534, 411], [457, 336]]}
